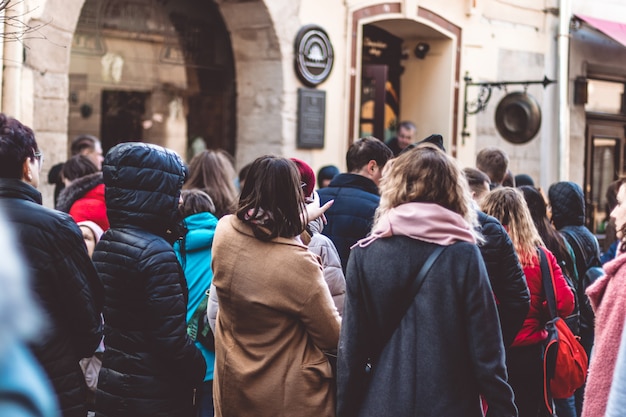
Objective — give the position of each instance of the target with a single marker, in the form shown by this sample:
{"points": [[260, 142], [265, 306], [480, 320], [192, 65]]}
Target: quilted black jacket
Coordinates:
{"points": [[568, 215], [150, 366], [505, 275], [66, 284]]}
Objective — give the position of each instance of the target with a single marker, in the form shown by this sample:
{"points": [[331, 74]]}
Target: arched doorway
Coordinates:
{"points": [[153, 71], [409, 70]]}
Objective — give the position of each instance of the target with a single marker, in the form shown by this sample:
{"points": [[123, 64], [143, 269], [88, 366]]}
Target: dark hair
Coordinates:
{"points": [[509, 179], [212, 171], [327, 172], [611, 195], [78, 166], [524, 179], [83, 142], [367, 149], [195, 201], [271, 201], [405, 124], [243, 172], [475, 177], [17, 143], [551, 237]]}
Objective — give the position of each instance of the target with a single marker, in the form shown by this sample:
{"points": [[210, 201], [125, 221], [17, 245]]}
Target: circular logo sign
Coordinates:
{"points": [[314, 55]]}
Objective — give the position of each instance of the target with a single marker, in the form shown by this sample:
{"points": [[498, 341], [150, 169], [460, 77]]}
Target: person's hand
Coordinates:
{"points": [[314, 210]]}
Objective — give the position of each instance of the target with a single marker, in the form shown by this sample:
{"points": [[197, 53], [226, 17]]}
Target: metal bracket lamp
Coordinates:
{"points": [[518, 116]]}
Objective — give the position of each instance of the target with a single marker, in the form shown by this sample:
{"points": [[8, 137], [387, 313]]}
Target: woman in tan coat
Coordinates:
{"points": [[276, 315]]}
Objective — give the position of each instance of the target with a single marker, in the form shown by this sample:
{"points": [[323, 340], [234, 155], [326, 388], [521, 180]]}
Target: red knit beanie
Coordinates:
{"points": [[307, 176]]}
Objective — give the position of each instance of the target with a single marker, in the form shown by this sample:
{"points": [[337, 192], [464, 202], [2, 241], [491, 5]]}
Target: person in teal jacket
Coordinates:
{"points": [[194, 254]]}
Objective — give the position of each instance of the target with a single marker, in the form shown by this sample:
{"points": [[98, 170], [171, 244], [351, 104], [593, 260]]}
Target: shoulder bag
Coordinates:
{"points": [[564, 359]]}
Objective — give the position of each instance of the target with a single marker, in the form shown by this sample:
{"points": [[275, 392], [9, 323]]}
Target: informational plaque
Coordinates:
{"points": [[311, 118]]}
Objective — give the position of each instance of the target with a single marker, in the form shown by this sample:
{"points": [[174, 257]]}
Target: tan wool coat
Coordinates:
{"points": [[275, 318]]}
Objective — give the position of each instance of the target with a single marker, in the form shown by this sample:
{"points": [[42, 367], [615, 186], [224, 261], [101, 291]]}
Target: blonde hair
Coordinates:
{"points": [[426, 174], [509, 206]]}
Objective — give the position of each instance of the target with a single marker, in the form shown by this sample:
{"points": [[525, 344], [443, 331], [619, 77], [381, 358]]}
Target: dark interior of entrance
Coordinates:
{"points": [[122, 115], [134, 102], [380, 83]]}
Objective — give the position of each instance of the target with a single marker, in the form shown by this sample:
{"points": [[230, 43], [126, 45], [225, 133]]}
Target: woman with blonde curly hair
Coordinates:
{"points": [[524, 358], [409, 353], [212, 171]]}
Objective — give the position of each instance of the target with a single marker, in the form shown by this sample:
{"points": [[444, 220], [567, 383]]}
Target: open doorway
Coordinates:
{"points": [[122, 116], [409, 71], [604, 164], [160, 72]]}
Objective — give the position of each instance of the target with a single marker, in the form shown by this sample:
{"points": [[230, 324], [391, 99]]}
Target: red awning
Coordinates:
{"points": [[615, 30]]}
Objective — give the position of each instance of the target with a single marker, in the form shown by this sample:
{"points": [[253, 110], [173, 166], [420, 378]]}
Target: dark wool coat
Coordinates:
{"points": [[393, 145], [505, 275], [150, 366], [67, 286], [447, 349], [351, 216]]}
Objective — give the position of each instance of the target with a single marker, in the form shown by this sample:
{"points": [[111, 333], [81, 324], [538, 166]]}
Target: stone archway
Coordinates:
{"points": [[259, 75], [44, 78], [258, 66]]}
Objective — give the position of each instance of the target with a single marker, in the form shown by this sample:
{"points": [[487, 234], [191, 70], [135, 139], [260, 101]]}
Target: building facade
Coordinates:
{"points": [[306, 78]]}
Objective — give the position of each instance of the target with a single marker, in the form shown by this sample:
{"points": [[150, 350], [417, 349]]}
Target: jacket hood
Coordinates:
{"points": [[200, 231], [568, 204], [77, 190], [142, 187]]}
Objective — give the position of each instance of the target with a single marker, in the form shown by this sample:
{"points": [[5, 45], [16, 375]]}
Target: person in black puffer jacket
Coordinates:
{"points": [[150, 366], [505, 275], [568, 216], [63, 278]]}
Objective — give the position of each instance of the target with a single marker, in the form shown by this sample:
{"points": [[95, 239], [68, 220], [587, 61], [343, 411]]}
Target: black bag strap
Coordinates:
{"points": [[579, 250], [416, 284], [413, 290], [548, 282]]}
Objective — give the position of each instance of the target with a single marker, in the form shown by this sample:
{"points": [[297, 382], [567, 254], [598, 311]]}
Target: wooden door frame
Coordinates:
{"points": [[597, 126]]}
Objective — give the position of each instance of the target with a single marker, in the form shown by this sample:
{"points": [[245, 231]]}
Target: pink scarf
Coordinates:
{"points": [[424, 221]]}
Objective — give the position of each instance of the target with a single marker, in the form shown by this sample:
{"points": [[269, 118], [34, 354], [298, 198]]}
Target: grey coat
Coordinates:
{"points": [[447, 349]]}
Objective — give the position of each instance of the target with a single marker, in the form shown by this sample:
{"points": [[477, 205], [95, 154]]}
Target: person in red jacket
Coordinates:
{"points": [[83, 195], [524, 358]]}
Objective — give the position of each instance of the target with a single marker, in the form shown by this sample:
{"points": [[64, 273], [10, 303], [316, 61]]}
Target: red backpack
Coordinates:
{"points": [[565, 361]]}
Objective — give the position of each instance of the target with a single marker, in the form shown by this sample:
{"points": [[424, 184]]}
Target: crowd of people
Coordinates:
{"points": [[406, 286]]}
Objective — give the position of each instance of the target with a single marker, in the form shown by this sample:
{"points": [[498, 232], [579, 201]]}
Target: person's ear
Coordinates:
{"points": [[371, 167], [27, 170]]}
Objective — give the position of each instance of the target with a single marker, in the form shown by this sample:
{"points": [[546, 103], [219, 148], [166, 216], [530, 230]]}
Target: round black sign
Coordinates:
{"points": [[518, 117], [314, 55]]}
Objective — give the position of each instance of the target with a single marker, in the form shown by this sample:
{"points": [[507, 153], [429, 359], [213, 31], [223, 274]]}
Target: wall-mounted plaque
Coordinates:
{"points": [[311, 118], [314, 55]]}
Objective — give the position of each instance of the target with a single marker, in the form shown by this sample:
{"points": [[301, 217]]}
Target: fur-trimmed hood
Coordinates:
{"points": [[77, 190]]}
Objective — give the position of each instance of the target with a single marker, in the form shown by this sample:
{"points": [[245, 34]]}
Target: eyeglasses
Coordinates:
{"points": [[39, 157]]}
